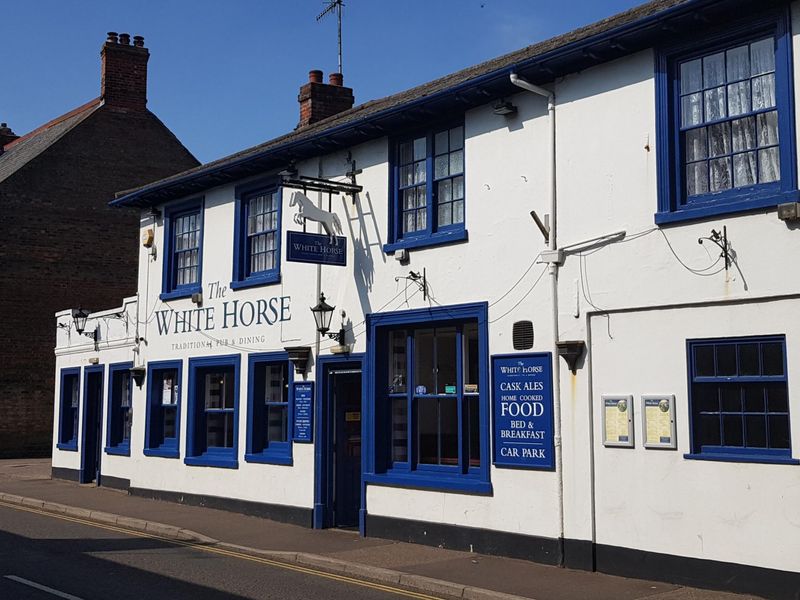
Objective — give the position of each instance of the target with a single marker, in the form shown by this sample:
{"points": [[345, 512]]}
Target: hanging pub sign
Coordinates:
{"points": [[522, 396], [303, 412], [316, 248]]}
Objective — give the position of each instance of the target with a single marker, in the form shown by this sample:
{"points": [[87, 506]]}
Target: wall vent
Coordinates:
{"points": [[523, 335]]}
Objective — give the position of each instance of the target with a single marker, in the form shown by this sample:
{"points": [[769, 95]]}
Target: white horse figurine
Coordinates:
{"points": [[307, 211]]}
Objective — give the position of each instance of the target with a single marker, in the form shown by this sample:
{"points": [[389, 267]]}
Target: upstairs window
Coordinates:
{"points": [[257, 236], [183, 252], [69, 404], [739, 399], [428, 190], [120, 415], [727, 111]]}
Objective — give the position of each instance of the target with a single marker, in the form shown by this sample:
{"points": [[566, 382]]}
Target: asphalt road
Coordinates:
{"points": [[45, 557]]}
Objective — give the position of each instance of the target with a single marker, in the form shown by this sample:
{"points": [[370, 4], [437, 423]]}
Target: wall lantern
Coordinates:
{"points": [[323, 312], [571, 351], [79, 317], [299, 356], [138, 374]]}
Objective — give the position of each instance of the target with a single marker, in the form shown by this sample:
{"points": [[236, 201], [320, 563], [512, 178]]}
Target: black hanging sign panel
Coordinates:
{"points": [[316, 248]]}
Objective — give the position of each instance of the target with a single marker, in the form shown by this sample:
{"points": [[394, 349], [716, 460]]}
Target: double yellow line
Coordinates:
{"points": [[230, 553]]}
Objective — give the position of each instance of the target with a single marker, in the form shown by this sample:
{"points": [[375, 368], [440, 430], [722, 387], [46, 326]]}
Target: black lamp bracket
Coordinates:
{"points": [[420, 280], [721, 241]]}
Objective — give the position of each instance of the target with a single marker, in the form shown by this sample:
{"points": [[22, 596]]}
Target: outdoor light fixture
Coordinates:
{"points": [[504, 108], [323, 312], [79, 317]]}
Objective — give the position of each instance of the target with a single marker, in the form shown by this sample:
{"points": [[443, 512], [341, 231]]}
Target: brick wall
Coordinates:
{"points": [[63, 246]]}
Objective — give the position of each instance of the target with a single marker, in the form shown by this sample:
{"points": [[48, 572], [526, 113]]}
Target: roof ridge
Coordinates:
{"points": [[91, 104]]}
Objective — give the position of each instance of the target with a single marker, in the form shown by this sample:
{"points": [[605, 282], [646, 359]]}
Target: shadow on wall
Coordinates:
{"points": [[363, 247]]}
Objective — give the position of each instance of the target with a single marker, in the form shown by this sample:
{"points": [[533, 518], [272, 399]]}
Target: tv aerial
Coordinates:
{"points": [[334, 6]]}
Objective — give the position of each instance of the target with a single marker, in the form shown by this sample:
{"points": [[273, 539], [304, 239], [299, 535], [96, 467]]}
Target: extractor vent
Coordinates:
{"points": [[523, 335]]}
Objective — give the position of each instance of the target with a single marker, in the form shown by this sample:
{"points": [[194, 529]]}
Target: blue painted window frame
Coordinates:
{"points": [[736, 453], [155, 444], [377, 447], [170, 290], [258, 449], [433, 235], [242, 277], [68, 415], [673, 205], [116, 442], [196, 452]]}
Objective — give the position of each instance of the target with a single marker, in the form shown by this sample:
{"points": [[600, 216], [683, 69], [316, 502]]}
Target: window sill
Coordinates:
{"points": [[67, 447], [211, 461], [255, 281], [461, 484], [724, 208], [162, 452], [181, 293], [744, 458], [118, 450], [437, 239], [269, 459]]}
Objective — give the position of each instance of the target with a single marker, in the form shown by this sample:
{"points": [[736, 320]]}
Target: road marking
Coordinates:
{"points": [[223, 552], [42, 588]]}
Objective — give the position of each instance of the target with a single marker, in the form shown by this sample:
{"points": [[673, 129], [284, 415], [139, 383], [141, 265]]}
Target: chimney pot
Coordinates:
{"points": [[6, 135], [336, 79], [125, 39], [138, 41], [112, 37], [315, 76]]}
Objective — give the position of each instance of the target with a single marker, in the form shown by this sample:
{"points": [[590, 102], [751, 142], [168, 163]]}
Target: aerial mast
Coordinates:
{"points": [[335, 5]]}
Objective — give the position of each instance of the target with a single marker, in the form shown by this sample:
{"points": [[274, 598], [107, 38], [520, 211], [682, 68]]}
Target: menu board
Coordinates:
{"points": [[618, 421], [303, 412], [522, 395], [658, 421]]}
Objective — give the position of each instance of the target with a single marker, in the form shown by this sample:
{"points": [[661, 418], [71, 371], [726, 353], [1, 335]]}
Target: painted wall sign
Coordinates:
{"points": [[315, 248], [227, 314], [303, 412], [522, 396], [618, 421]]}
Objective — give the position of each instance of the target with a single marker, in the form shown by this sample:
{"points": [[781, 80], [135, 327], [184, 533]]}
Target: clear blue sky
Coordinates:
{"points": [[224, 74]]}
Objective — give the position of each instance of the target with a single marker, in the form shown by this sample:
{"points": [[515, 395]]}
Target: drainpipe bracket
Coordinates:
{"points": [[552, 257]]}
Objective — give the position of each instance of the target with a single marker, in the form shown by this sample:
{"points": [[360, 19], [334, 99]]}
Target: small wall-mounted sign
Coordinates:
{"points": [[316, 249], [303, 412], [618, 421], [658, 421], [522, 397]]}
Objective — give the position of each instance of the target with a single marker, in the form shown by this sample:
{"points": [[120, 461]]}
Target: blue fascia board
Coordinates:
{"points": [[140, 197]]}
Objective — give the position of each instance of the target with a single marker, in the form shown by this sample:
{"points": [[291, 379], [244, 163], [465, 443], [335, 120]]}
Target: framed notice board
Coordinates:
{"points": [[658, 421], [617, 421], [303, 412]]}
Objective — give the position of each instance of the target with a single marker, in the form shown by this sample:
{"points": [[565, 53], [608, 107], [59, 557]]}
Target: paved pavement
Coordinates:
{"points": [[445, 573]]}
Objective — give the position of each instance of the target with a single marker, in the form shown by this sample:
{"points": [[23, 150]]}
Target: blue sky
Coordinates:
{"points": [[224, 74]]}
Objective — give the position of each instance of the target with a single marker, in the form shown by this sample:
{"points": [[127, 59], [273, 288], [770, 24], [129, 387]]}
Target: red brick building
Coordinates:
{"points": [[60, 243]]}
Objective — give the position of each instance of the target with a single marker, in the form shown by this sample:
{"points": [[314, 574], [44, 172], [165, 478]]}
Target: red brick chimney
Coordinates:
{"points": [[6, 136], [124, 75], [321, 100]]}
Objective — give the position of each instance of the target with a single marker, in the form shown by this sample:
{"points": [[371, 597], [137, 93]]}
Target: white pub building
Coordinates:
{"points": [[545, 307]]}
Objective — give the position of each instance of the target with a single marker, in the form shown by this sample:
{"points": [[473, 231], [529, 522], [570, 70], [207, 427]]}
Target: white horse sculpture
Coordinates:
{"points": [[307, 211]]}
